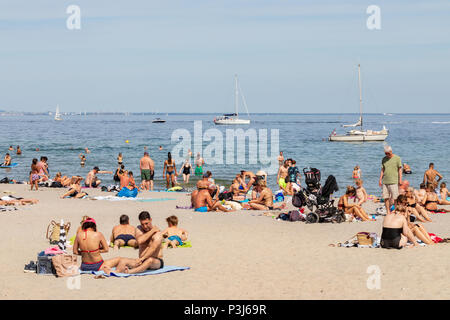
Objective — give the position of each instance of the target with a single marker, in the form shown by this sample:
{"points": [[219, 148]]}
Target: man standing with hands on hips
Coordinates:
{"points": [[390, 177]]}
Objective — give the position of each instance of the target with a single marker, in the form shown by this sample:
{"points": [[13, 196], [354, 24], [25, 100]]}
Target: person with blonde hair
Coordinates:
{"points": [[352, 209]]}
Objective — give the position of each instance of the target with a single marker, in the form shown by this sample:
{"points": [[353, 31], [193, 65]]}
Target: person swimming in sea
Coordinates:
{"points": [[7, 160], [18, 151], [199, 162], [175, 235], [82, 159]]}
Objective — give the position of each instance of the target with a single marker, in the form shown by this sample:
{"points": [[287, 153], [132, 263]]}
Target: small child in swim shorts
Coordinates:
{"points": [[175, 236]]}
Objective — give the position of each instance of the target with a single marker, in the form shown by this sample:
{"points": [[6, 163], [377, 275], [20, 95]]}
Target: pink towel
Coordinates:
{"points": [[53, 250]]}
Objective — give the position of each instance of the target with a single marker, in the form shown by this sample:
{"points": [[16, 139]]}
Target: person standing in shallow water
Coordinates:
{"points": [[170, 171]]}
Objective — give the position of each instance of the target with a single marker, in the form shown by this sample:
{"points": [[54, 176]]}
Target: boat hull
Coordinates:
{"points": [[358, 137], [231, 122]]}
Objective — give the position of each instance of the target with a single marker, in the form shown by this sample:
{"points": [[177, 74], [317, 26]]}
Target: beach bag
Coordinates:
{"points": [[298, 200], [56, 227], [65, 265], [294, 215], [364, 238]]}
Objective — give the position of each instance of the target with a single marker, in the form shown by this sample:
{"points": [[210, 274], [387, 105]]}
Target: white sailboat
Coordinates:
{"points": [[57, 114], [233, 118], [359, 135]]}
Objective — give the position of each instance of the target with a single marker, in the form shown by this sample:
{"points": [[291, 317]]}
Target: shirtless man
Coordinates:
{"points": [[238, 194], [203, 201], [430, 176], [124, 178], [280, 159], [149, 239], [265, 199], [124, 234], [147, 167], [282, 174], [91, 180]]}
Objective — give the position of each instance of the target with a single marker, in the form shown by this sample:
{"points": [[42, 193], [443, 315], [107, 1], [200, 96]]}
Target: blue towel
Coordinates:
{"points": [[145, 273]]}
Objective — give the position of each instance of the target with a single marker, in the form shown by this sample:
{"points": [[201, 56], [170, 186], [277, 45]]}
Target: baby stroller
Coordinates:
{"points": [[318, 198]]}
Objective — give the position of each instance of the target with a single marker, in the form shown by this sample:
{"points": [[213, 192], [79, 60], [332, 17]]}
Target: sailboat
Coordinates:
{"points": [[359, 135], [233, 118], [57, 114]]}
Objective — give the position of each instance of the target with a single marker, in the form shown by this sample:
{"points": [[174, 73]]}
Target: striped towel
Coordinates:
{"points": [[62, 237]]}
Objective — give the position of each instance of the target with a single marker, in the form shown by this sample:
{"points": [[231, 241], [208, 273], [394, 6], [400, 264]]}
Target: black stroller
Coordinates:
{"points": [[318, 198]]}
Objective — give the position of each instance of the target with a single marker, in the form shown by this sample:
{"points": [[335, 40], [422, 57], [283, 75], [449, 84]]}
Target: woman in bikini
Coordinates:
{"points": [[416, 209], [417, 229], [75, 189], [169, 170], [34, 174], [120, 158], [431, 200], [356, 173], [89, 244], [82, 159], [353, 209]]}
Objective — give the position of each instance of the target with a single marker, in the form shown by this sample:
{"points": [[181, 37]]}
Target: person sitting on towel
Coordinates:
{"points": [[175, 236], [123, 234], [203, 201]]}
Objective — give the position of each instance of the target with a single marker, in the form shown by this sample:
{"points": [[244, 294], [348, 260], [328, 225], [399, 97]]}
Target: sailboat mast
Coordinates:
{"points": [[236, 94], [360, 97]]}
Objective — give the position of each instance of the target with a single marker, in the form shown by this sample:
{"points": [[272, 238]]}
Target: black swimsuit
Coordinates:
{"points": [[390, 238]]}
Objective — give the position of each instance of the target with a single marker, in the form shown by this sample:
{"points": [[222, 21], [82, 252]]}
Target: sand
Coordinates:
{"points": [[237, 255]]}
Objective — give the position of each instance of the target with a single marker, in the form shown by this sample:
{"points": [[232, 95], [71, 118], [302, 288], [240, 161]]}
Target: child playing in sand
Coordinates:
{"points": [[175, 236], [361, 194]]}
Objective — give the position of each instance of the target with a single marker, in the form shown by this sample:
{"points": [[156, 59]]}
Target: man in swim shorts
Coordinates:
{"points": [[91, 179], [124, 234], [149, 239], [147, 167], [430, 176], [283, 171], [390, 177], [203, 201]]}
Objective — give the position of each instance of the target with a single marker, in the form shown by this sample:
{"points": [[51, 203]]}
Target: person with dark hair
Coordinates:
{"points": [[34, 174], [91, 180], [123, 234], [186, 170], [147, 167], [175, 235], [89, 244], [430, 175], [352, 209], [7, 160], [169, 170], [82, 159], [18, 151], [119, 170], [149, 240]]}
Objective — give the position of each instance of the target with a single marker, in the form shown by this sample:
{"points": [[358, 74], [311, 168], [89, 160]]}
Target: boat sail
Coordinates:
{"points": [[57, 114], [233, 118], [359, 135]]}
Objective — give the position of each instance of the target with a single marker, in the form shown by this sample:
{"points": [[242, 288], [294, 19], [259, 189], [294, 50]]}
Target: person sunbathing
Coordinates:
{"points": [[123, 234], [396, 232], [403, 187], [203, 201], [417, 229], [238, 194], [421, 193], [8, 201], [265, 199], [444, 193], [89, 244], [353, 209], [416, 209], [361, 194], [75, 189], [175, 235], [431, 200]]}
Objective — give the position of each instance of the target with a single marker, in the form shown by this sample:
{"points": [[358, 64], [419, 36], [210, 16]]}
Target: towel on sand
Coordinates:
{"points": [[186, 244], [145, 273]]}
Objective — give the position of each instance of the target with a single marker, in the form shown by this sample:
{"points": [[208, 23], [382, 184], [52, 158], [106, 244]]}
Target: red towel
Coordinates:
{"points": [[435, 238]]}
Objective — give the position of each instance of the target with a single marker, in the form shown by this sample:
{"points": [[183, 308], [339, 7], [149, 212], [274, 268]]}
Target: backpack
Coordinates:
{"points": [[4, 180], [294, 215], [298, 199]]}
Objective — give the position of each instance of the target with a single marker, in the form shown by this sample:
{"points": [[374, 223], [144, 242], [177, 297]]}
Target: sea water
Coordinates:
{"points": [[417, 138]]}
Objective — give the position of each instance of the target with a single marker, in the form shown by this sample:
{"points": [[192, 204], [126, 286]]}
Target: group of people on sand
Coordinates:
{"points": [[248, 189], [90, 244]]}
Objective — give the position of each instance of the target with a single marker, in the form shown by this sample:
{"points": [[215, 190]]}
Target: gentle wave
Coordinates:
{"points": [[441, 122]]}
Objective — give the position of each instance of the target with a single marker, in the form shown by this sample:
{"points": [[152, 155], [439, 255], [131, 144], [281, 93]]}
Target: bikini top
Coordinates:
{"points": [[89, 251]]}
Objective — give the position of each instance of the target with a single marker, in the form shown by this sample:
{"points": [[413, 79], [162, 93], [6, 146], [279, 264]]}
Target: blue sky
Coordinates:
{"points": [[181, 56]]}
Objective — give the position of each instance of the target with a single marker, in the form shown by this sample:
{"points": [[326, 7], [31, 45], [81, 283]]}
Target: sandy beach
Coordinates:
{"points": [[239, 255]]}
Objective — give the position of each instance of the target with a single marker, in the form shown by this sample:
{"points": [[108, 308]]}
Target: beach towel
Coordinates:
{"points": [[186, 244], [145, 273], [8, 208], [435, 238], [181, 207]]}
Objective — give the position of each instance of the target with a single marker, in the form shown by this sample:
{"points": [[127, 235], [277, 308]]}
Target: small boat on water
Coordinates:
{"points": [[233, 118], [158, 120], [359, 135], [57, 114]]}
